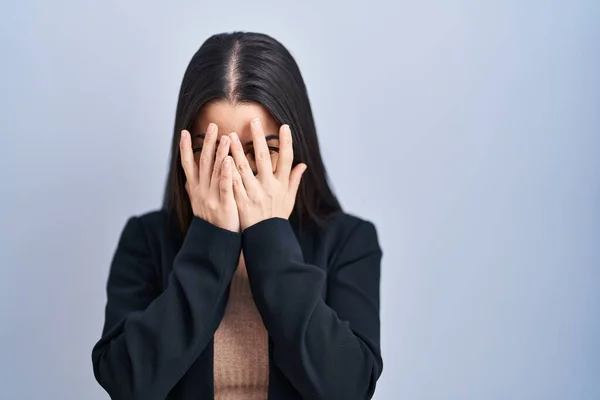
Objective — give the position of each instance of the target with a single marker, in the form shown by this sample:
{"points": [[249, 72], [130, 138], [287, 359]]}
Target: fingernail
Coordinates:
{"points": [[288, 130], [211, 127], [256, 121], [234, 136], [226, 163]]}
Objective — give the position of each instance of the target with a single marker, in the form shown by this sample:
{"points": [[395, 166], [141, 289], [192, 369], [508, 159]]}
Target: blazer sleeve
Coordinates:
{"points": [[150, 339], [327, 349]]}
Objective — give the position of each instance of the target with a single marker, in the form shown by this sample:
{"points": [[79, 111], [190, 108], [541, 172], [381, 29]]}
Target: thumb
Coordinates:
{"points": [[295, 178]]}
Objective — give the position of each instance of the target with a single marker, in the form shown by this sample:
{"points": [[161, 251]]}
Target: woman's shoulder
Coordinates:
{"points": [[343, 223], [344, 230], [339, 223], [346, 238], [339, 229], [153, 218], [156, 226]]}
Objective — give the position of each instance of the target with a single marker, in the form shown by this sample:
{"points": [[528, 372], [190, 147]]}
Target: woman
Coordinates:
{"points": [[250, 283]]}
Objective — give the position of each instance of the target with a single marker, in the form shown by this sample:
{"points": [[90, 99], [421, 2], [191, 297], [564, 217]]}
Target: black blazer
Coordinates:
{"points": [[317, 293]]}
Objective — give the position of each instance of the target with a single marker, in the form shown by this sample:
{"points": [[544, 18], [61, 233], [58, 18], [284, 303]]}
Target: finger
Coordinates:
{"points": [[225, 185], [207, 156], [222, 152], [241, 163], [262, 155], [295, 178], [239, 191], [286, 154], [187, 158]]}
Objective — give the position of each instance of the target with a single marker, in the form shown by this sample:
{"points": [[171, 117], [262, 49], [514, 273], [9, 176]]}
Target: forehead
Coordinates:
{"points": [[234, 118]]}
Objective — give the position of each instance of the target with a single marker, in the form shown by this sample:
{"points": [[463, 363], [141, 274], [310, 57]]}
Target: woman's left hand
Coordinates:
{"points": [[270, 193]]}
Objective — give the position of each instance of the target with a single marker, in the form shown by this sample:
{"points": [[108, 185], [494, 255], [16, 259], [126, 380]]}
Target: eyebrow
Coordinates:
{"points": [[273, 136]]}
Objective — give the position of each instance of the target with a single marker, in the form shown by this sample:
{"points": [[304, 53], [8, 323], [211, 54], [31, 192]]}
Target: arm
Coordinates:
{"points": [[150, 339], [328, 350]]}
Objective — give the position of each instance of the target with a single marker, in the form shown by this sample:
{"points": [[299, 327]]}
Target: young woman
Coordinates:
{"points": [[250, 283]]}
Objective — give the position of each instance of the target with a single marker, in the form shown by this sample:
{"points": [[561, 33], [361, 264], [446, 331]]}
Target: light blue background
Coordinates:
{"points": [[468, 131]]}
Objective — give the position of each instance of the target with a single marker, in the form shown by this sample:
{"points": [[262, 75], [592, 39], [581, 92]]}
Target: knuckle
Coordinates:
{"points": [[204, 160], [254, 198], [263, 155], [244, 167], [211, 205], [210, 137]]}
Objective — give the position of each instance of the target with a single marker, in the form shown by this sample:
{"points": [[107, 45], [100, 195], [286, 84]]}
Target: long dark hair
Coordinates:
{"points": [[251, 67]]}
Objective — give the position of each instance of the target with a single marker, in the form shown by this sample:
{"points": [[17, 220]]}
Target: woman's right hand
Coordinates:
{"points": [[209, 183]]}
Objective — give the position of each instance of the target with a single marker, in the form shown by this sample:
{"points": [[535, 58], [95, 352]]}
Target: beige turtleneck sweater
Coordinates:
{"points": [[241, 353]]}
